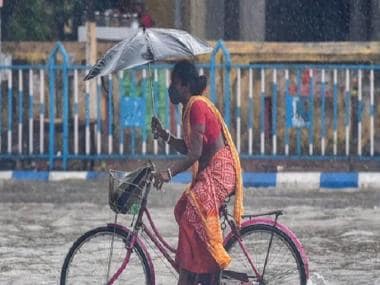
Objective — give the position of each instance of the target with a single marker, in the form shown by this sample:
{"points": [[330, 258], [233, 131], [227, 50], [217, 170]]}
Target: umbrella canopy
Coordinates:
{"points": [[148, 45]]}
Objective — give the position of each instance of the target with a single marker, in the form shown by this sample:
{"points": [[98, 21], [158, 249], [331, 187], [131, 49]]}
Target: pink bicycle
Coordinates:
{"points": [[263, 251]]}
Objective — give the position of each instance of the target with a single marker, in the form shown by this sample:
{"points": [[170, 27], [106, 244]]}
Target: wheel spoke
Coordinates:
{"points": [[88, 260], [284, 265]]}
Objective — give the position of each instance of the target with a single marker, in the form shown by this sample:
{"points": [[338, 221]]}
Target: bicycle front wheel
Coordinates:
{"points": [[91, 260], [283, 264]]}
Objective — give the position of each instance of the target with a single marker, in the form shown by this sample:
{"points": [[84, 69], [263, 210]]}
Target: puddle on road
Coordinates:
{"points": [[317, 279]]}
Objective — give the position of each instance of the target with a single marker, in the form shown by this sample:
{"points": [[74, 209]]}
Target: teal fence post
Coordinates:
{"points": [[52, 67], [227, 72]]}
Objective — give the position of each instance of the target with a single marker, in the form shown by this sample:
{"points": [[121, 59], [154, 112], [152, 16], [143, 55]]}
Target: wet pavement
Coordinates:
{"points": [[40, 220]]}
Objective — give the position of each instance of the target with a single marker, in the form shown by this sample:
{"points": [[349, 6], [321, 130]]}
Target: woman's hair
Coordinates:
{"points": [[188, 74]]}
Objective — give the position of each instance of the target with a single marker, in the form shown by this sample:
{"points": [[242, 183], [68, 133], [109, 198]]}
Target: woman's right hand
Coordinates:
{"points": [[157, 129]]}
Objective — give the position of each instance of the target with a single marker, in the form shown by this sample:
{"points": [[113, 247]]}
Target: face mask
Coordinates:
{"points": [[174, 95]]}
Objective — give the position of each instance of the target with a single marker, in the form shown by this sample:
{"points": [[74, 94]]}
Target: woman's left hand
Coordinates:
{"points": [[161, 177]]}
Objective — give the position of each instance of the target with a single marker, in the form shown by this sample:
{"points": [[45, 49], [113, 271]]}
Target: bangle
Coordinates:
{"points": [[170, 174], [168, 139]]}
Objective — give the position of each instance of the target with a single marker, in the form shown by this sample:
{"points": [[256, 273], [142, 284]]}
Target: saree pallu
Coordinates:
{"points": [[200, 243]]}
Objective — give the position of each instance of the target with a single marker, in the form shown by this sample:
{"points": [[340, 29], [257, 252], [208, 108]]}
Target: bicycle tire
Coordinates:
{"points": [[273, 271], [94, 262]]}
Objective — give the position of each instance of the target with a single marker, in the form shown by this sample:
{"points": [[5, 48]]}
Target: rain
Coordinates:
{"points": [[296, 82]]}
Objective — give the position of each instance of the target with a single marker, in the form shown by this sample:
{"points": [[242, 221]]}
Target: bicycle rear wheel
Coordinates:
{"points": [[284, 263], [87, 260]]}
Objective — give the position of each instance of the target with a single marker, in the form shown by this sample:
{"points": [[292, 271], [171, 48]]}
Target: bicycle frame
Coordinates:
{"points": [[166, 249]]}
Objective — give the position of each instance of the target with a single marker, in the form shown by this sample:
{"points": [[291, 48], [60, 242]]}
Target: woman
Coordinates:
{"points": [[210, 151]]}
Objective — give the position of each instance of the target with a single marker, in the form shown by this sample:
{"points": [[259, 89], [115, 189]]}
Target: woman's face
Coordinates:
{"points": [[176, 91]]}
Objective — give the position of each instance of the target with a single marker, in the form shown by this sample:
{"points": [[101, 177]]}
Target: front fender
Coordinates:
{"points": [[284, 229], [143, 248]]}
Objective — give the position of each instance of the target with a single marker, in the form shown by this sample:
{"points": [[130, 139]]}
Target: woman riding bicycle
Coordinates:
{"points": [[210, 151]]}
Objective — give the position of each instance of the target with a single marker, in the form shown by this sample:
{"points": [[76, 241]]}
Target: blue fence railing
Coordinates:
{"points": [[274, 111]]}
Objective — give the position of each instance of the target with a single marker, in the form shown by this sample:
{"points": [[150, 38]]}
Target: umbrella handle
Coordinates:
{"points": [[155, 134], [151, 91]]}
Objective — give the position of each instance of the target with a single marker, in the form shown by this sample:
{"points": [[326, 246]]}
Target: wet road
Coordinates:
{"points": [[40, 220]]}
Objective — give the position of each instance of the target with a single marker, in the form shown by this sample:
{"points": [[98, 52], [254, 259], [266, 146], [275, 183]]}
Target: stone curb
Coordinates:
{"points": [[279, 180]]}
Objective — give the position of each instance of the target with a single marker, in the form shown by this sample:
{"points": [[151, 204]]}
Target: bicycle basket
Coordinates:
{"points": [[126, 189]]}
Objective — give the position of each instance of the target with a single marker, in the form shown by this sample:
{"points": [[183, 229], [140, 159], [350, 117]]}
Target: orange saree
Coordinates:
{"points": [[200, 244]]}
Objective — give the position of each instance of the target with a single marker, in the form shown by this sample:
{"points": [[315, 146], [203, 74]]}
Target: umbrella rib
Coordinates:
{"points": [[150, 47]]}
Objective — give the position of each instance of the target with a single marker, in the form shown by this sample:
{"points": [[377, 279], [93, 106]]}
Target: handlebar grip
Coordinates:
{"points": [[152, 165]]}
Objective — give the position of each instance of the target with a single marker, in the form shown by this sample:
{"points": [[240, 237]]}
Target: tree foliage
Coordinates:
{"points": [[45, 20]]}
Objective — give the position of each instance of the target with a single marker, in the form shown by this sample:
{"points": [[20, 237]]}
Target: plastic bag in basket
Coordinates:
{"points": [[126, 190]]}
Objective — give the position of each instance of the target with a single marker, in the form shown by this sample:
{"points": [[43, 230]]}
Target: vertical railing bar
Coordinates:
{"points": [[155, 143], [167, 121], [145, 96], [372, 112], [76, 115], [110, 114], [274, 113], [178, 121], [238, 109], [121, 127], [311, 112], [10, 113], [359, 110], [347, 113], [133, 95], [31, 127], [42, 109], [286, 127], [52, 112], [65, 114], [298, 129], [335, 107], [250, 112], [87, 114], [227, 93], [262, 112], [323, 106], [20, 111], [98, 122]]}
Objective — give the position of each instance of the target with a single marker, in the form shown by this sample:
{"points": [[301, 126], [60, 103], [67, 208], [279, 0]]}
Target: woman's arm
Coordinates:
{"points": [[193, 153], [178, 144]]}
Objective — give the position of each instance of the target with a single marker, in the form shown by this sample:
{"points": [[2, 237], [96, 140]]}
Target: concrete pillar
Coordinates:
{"points": [[252, 20], [198, 18], [231, 20], [375, 20], [215, 20], [358, 22], [91, 57], [178, 23]]}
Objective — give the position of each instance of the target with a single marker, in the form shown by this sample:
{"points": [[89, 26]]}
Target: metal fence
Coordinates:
{"points": [[274, 111]]}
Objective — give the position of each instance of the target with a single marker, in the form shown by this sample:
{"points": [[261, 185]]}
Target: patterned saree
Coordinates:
{"points": [[200, 244]]}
